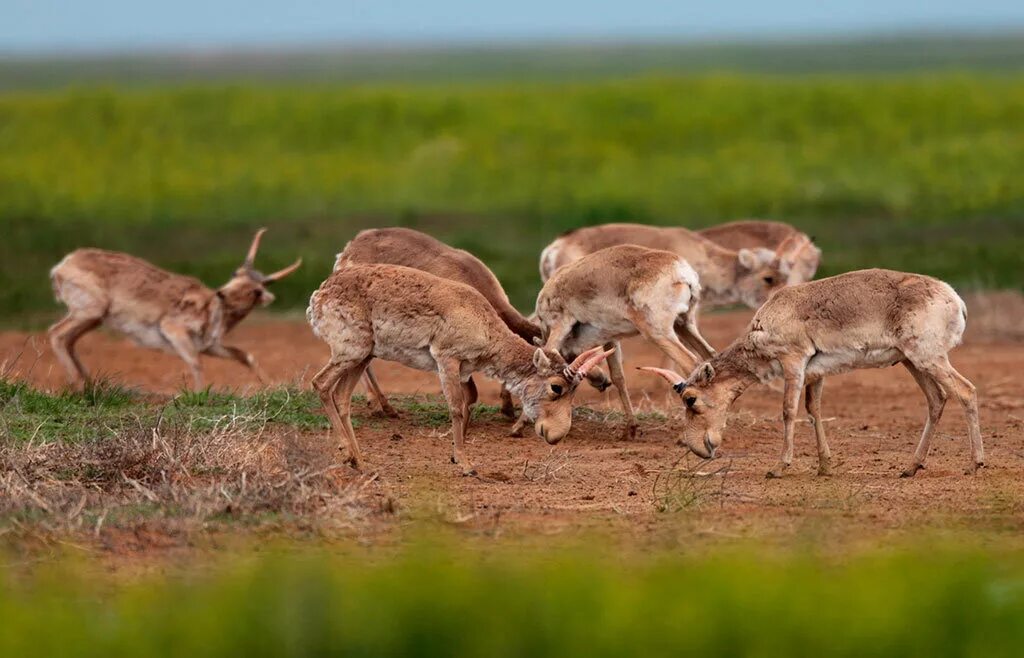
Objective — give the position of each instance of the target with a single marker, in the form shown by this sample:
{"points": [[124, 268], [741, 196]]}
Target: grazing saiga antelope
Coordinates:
{"points": [[425, 322], [726, 276], [156, 308], [795, 251], [619, 292], [804, 333], [403, 246]]}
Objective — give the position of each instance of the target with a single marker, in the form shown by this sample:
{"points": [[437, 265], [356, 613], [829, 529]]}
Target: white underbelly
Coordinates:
{"points": [[836, 362], [585, 336], [413, 357], [142, 333]]}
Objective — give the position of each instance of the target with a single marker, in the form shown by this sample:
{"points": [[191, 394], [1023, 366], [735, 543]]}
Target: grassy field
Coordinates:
{"points": [[446, 600], [917, 172]]}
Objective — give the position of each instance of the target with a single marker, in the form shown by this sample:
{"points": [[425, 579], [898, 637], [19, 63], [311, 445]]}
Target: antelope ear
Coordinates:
{"points": [[747, 259], [541, 360], [704, 373]]}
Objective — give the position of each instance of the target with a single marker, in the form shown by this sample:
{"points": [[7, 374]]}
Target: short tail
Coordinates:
{"points": [[549, 260]]}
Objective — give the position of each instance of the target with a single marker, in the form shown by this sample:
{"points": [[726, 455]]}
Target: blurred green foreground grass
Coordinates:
{"points": [[443, 601], [919, 172]]}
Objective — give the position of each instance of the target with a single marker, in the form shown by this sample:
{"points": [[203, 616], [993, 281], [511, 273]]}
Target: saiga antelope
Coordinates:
{"points": [[796, 252], [403, 246], [726, 276], [425, 322], [619, 292], [156, 308], [804, 333]]}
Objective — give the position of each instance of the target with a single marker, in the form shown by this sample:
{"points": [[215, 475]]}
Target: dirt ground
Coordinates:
{"points": [[648, 488]]}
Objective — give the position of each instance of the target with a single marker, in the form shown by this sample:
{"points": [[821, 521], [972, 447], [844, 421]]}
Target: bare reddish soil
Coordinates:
{"points": [[596, 480]]}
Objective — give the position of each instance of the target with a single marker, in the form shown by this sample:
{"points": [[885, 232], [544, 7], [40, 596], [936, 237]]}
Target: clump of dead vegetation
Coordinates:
{"points": [[200, 460], [690, 483]]}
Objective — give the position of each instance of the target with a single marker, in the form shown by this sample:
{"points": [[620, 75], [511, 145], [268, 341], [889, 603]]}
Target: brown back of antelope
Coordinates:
{"points": [[726, 276], [409, 248]]}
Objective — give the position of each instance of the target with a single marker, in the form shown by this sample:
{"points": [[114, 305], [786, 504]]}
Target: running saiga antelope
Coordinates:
{"points": [[726, 276], [804, 333], [798, 252], [156, 308], [425, 322], [403, 246], [619, 292]]}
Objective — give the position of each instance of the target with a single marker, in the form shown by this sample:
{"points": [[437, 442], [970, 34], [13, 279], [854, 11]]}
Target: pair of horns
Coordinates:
{"points": [[250, 260], [584, 363]]}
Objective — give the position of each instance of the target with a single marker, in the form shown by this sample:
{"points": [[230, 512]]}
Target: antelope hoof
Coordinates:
{"points": [[973, 468], [911, 471], [353, 461], [824, 470], [469, 472], [630, 432], [388, 410], [776, 472], [508, 410]]}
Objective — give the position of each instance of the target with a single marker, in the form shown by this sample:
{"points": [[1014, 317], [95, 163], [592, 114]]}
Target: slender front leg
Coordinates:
{"points": [[185, 348], [448, 369], [813, 403], [239, 355], [794, 378], [619, 379], [374, 389]]}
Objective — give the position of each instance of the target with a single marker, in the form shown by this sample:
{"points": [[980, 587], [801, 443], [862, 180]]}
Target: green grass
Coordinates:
{"points": [[914, 172], [104, 409], [101, 410], [432, 411], [576, 601]]}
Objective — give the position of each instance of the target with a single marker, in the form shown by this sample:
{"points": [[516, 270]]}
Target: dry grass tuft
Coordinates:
{"points": [[171, 477]]}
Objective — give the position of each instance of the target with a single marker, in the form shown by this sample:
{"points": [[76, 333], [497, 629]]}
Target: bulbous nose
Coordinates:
{"points": [[544, 432]]}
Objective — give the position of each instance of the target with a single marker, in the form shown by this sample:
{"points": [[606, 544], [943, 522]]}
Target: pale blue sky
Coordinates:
{"points": [[42, 26]]}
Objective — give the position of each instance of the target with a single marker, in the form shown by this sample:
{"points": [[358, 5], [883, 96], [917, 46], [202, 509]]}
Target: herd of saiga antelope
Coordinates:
{"points": [[400, 295]]}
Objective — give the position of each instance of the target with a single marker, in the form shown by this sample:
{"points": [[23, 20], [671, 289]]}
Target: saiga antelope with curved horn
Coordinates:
{"points": [[410, 248], [156, 308], [619, 292], [804, 333], [425, 322]]}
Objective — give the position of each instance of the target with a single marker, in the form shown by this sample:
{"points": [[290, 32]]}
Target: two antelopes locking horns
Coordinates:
{"points": [[400, 295]]}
